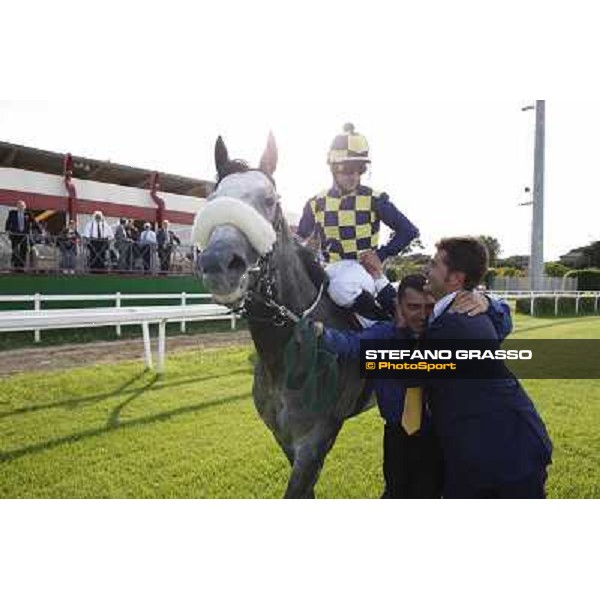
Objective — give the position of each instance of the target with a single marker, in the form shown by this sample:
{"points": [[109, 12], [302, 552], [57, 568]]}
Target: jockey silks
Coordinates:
{"points": [[348, 224]]}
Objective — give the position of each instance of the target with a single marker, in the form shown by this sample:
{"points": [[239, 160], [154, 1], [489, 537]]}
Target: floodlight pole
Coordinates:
{"points": [[536, 259]]}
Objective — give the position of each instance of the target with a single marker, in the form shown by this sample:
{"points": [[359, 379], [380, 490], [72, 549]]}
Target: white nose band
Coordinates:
{"points": [[225, 210]]}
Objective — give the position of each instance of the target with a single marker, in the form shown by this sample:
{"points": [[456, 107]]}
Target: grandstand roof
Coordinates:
{"points": [[45, 161]]}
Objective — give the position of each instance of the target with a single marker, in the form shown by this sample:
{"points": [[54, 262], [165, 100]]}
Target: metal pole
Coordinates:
{"points": [[536, 264], [37, 306], [118, 305], [162, 334], [183, 303], [147, 348]]}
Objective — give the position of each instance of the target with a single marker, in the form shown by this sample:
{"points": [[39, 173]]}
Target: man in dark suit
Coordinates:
{"points": [[20, 225], [412, 463], [166, 240], [494, 443]]}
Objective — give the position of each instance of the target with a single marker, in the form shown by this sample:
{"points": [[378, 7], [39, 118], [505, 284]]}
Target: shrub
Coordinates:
{"points": [[587, 279], [545, 307]]}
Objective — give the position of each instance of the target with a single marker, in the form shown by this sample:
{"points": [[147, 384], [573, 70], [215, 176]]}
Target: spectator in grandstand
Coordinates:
{"points": [[68, 241], [166, 240], [123, 244], [147, 246], [20, 226], [98, 234], [134, 236]]}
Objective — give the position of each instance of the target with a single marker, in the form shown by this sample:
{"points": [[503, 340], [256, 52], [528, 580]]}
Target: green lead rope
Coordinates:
{"points": [[310, 368]]}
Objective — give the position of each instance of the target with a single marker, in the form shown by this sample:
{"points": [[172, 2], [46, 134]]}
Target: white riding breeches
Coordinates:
{"points": [[348, 279]]}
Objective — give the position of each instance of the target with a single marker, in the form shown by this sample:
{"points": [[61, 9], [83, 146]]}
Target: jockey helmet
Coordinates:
{"points": [[349, 146]]}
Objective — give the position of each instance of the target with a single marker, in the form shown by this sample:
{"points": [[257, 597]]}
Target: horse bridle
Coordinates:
{"points": [[262, 291]]}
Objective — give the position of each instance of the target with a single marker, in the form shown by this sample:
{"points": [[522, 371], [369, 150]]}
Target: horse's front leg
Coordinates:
{"points": [[309, 456]]}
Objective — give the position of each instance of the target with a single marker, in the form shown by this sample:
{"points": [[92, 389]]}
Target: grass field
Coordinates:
{"points": [[116, 431]]}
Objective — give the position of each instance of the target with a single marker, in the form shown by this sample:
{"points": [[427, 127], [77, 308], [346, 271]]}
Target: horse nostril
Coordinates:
{"points": [[237, 263], [210, 263]]}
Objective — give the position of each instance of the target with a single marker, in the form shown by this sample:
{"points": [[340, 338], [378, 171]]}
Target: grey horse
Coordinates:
{"points": [[250, 255]]}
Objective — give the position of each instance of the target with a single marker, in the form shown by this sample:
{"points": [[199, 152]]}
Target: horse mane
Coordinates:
{"points": [[311, 263], [237, 165], [230, 167]]}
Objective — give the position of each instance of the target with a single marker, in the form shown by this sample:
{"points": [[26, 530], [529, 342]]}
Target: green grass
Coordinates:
{"points": [[117, 431]]}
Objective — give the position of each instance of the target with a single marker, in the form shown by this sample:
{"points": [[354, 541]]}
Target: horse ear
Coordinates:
{"points": [[221, 156], [268, 161]]}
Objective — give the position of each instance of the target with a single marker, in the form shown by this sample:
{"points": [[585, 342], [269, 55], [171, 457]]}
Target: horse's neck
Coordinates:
{"points": [[295, 291]]}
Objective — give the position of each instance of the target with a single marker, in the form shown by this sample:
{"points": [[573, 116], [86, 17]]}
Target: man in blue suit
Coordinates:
{"points": [[412, 465], [20, 225], [494, 443]]}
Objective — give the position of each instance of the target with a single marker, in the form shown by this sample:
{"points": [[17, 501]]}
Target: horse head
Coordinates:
{"points": [[238, 223]]}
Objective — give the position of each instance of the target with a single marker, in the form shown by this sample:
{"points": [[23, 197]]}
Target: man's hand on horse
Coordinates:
{"points": [[471, 303], [317, 327], [372, 263]]}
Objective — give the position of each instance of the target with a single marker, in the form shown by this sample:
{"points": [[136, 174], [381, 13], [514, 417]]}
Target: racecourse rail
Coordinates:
{"points": [[38, 319]]}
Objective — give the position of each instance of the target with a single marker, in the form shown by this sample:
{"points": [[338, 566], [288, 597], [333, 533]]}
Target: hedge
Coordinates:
{"points": [[587, 279], [544, 307]]}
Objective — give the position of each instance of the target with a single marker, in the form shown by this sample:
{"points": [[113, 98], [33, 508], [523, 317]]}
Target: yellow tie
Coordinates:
{"points": [[413, 408]]}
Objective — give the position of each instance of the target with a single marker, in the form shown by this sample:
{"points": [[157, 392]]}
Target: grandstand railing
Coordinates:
{"points": [[44, 253], [183, 299]]}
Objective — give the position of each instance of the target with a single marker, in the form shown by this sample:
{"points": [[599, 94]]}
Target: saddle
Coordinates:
{"points": [[365, 305]]}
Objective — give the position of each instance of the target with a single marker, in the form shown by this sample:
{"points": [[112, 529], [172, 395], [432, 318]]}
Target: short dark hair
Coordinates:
{"points": [[416, 281], [466, 255]]}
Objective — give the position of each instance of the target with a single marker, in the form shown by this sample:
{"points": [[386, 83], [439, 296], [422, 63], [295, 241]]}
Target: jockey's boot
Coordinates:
{"points": [[366, 306]]}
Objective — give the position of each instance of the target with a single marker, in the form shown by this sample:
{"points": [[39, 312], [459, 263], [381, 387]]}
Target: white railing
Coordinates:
{"points": [[118, 298], [27, 320], [533, 295]]}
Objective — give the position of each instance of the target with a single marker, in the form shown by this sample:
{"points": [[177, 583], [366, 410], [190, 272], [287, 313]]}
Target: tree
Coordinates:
{"points": [[405, 263], [493, 247], [582, 257], [592, 253], [516, 261], [555, 269]]}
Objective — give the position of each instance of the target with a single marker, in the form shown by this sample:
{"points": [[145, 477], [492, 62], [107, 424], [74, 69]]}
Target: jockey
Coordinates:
{"points": [[345, 221]]}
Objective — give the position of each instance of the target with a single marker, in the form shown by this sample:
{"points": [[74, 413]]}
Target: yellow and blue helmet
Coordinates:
{"points": [[349, 146]]}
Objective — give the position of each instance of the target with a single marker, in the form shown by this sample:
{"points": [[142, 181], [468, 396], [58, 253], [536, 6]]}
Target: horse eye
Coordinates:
{"points": [[270, 202]]}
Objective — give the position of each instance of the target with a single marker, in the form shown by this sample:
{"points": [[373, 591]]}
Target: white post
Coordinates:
{"points": [[183, 303], [577, 304], [37, 306], [232, 321], [556, 305], [162, 326], [118, 305], [531, 304], [147, 348], [596, 303]]}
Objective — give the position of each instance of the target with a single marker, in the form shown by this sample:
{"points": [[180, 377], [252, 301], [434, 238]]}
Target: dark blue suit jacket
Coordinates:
{"points": [[12, 223], [390, 392], [490, 432]]}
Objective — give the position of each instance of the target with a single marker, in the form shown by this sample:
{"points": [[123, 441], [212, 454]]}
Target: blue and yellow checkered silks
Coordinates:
{"points": [[347, 224], [350, 146]]}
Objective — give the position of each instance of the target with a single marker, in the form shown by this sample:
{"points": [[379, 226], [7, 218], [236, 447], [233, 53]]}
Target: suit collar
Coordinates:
{"points": [[441, 306]]}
